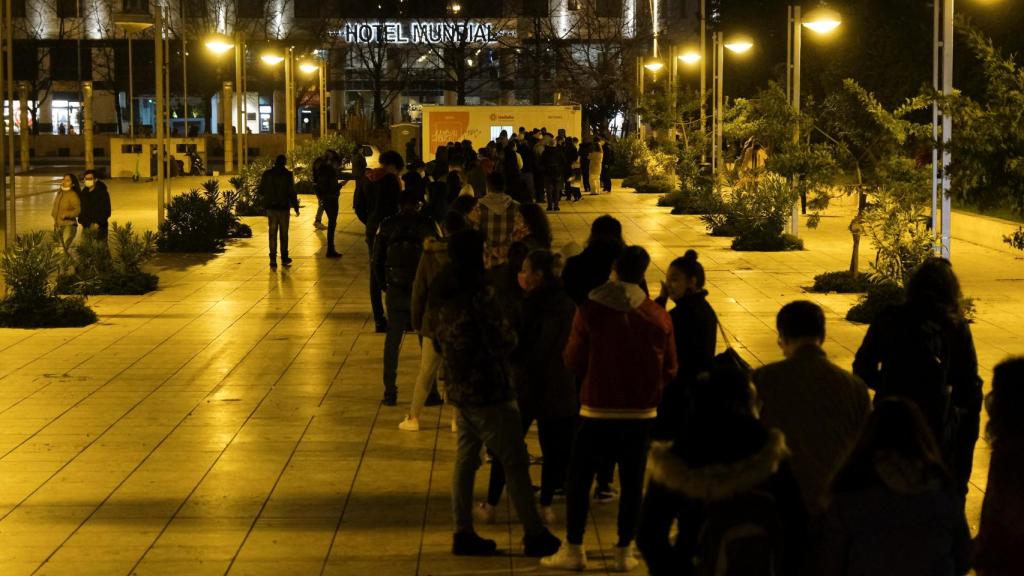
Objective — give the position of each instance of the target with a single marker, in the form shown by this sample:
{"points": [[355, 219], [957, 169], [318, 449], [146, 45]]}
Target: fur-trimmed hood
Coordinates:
{"points": [[621, 296], [717, 481]]}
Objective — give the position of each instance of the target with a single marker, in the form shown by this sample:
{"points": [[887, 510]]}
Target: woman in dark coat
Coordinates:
{"points": [[998, 549], [592, 267], [723, 469], [895, 510]]}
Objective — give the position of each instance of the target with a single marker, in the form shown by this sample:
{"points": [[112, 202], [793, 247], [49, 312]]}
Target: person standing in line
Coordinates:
{"points": [[607, 160], [329, 190], [586, 147], [623, 346], [475, 340], [534, 228], [895, 509], [998, 549], [318, 220], [923, 350], [596, 162], [378, 199], [552, 161], [499, 218], [432, 262], [67, 205], [95, 200], [396, 256], [277, 188]]}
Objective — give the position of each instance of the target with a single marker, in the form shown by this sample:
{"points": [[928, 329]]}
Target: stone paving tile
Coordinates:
{"points": [[230, 422]]}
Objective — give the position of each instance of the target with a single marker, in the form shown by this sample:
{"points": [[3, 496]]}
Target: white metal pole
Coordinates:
{"points": [[947, 124], [6, 235], [720, 105], [703, 76], [131, 92], [239, 107], [797, 34], [158, 48]]}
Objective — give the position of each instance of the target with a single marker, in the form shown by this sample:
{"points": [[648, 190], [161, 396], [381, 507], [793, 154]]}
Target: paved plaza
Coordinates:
{"points": [[230, 421]]}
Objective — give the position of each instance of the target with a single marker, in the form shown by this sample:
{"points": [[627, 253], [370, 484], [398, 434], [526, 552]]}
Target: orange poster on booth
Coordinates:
{"points": [[446, 127]]}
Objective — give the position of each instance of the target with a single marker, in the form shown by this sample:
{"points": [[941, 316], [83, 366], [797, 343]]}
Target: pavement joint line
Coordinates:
{"points": [[220, 453], [76, 366], [107, 429], [270, 493]]}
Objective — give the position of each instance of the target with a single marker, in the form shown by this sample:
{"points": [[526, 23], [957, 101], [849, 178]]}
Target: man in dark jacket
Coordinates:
{"points": [[591, 268], [552, 162], [396, 255], [622, 344], [277, 188], [584, 153], [376, 200], [328, 189], [475, 340], [820, 407], [606, 163], [95, 205]]}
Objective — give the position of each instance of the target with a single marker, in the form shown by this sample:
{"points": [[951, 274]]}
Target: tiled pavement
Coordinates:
{"points": [[229, 422]]}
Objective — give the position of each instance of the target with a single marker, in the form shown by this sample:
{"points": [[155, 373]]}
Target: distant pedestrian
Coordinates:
{"points": [[67, 206], [607, 161], [475, 340], [329, 191], [95, 199], [924, 351], [318, 220], [277, 188]]}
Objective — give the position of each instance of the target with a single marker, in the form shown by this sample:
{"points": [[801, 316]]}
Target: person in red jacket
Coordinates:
{"points": [[623, 346]]}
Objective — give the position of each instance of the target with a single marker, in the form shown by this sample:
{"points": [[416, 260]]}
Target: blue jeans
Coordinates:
{"points": [[498, 427], [277, 221]]}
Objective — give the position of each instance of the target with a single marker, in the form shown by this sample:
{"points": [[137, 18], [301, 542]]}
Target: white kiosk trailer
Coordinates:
{"points": [[481, 124]]}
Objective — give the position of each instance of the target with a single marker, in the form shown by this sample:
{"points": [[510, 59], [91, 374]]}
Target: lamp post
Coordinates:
{"points": [[288, 57], [737, 45], [219, 45], [308, 67], [133, 24], [821, 21]]}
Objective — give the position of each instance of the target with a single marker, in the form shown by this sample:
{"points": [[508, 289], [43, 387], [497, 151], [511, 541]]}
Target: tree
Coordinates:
{"points": [[48, 25], [461, 52]]}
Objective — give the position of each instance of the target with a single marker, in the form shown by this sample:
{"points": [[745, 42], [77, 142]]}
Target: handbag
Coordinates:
{"points": [[730, 358]]}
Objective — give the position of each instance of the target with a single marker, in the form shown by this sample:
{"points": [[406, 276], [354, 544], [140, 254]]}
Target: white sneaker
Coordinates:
{"points": [[484, 513], [624, 559], [568, 557], [547, 515], [409, 424]]}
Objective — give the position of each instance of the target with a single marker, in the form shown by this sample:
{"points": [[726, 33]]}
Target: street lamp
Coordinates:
{"points": [[690, 57], [821, 21], [219, 45], [132, 24], [273, 58], [308, 67], [738, 45]]}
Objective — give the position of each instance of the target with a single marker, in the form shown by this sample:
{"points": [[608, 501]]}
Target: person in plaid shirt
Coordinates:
{"points": [[499, 217]]}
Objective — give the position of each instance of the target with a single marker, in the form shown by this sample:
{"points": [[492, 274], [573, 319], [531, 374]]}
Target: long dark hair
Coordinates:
{"points": [[546, 263], [1005, 402], [934, 288], [896, 428], [537, 222], [74, 183]]}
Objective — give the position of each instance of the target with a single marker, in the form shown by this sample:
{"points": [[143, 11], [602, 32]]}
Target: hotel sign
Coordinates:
{"points": [[418, 32]]}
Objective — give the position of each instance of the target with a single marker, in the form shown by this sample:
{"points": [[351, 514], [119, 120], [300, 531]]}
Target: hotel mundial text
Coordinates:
{"points": [[419, 32]]}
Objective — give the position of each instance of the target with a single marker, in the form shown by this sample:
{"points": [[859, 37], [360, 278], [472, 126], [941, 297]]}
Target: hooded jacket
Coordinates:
{"points": [[498, 215], [737, 457], [66, 208], [590, 269], [379, 198], [433, 260], [95, 204], [622, 346], [546, 388], [909, 522]]}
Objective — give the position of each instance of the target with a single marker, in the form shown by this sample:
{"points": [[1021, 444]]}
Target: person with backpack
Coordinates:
{"points": [[997, 550], [895, 510], [923, 350], [475, 340], [622, 346], [725, 479], [820, 407], [376, 201], [277, 188], [328, 190], [396, 257]]}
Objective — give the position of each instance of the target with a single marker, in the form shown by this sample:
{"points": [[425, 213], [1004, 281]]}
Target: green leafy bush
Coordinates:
{"points": [[28, 267], [880, 296], [1016, 239], [111, 267], [634, 158], [302, 157], [761, 240], [201, 220], [305, 187], [841, 282], [247, 185], [661, 184], [694, 196], [756, 213]]}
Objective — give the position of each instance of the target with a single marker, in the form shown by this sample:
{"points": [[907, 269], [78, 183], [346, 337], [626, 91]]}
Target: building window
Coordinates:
{"points": [[65, 115], [135, 6], [17, 8], [609, 8], [67, 9], [249, 9], [17, 114]]}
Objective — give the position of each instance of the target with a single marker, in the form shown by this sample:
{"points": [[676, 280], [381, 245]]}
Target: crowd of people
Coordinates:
{"points": [[792, 468]]}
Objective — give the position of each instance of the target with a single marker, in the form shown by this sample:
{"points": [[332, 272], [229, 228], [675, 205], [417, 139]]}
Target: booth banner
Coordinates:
{"points": [[481, 124]]}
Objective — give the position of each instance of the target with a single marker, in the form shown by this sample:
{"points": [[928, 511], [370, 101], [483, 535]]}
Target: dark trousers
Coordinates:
{"points": [[555, 445], [498, 427], [277, 221], [102, 228], [399, 314], [538, 187], [330, 205], [606, 180], [585, 174], [626, 442], [376, 294], [553, 190]]}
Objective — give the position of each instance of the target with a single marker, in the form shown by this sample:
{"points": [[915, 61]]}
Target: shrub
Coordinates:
{"points": [[841, 282], [692, 197], [200, 221], [634, 158], [756, 213], [760, 241], [112, 267], [28, 266], [247, 185], [305, 187], [880, 296], [1016, 239], [303, 156], [663, 184]]}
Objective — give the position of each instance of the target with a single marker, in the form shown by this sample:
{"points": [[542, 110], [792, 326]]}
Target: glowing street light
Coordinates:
{"points": [[822, 20], [309, 67], [219, 44], [654, 66], [739, 44], [272, 58], [690, 57]]}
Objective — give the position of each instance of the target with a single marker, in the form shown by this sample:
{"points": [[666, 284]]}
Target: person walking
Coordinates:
{"points": [[329, 191], [432, 262], [67, 205], [895, 510], [725, 480], [998, 549], [377, 200], [277, 188], [820, 407], [396, 256], [923, 350], [623, 347], [95, 200], [596, 161], [475, 340], [695, 325]]}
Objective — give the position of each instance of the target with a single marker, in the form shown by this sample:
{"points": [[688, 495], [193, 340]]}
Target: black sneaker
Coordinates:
{"points": [[334, 254], [286, 261], [273, 264], [605, 494], [540, 545], [471, 544], [381, 327], [390, 398]]}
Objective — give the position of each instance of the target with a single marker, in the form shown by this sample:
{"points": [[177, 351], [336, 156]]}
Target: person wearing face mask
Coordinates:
{"points": [[695, 325], [546, 390], [67, 206], [95, 202]]}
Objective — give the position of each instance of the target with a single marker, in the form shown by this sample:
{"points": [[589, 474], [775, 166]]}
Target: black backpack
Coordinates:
{"points": [[403, 257], [741, 536]]}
